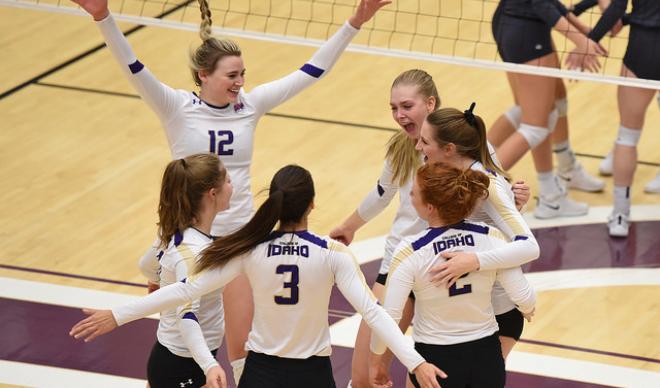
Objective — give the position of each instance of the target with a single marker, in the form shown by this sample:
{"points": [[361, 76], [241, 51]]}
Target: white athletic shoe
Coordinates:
{"points": [[653, 187], [579, 179], [561, 206], [607, 165], [618, 224]]}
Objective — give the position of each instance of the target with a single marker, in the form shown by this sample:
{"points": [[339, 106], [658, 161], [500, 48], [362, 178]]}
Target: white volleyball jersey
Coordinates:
{"points": [[194, 126], [500, 211], [406, 222], [197, 328], [463, 312], [292, 276]]}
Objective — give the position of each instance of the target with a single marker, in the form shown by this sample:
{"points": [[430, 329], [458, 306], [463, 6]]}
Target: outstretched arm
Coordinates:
{"points": [[372, 205], [161, 98], [101, 322], [267, 96]]}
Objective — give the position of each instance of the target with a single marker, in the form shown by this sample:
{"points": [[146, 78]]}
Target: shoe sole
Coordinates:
{"points": [[618, 234], [587, 190]]}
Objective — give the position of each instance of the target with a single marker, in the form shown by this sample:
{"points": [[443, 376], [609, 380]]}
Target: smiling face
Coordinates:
{"points": [[432, 150], [223, 84], [410, 108]]}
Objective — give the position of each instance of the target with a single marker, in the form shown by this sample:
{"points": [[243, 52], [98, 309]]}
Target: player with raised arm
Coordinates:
{"points": [[221, 118]]}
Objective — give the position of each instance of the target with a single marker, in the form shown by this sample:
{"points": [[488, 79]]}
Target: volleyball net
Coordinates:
{"points": [[456, 32]]}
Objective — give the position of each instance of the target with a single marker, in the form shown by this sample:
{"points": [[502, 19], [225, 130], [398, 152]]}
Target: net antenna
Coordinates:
{"points": [[456, 32]]}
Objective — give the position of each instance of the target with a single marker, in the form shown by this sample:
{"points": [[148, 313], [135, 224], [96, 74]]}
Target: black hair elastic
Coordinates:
{"points": [[469, 116]]}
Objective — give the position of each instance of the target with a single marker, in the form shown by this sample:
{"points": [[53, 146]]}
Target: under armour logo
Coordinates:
{"points": [[184, 383], [238, 107], [196, 101], [538, 47]]}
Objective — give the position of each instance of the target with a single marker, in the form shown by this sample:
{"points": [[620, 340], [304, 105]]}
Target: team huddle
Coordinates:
{"points": [[262, 281]]}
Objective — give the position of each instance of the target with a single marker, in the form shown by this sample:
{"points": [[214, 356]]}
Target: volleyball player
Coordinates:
{"points": [[412, 97], [642, 60], [454, 327], [193, 191], [459, 139], [522, 31], [221, 119], [292, 272]]}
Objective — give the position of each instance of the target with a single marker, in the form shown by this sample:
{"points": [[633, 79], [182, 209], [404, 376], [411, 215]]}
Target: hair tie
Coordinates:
{"points": [[469, 116]]}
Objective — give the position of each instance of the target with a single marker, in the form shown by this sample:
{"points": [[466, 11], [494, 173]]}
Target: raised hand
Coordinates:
{"points": [[427, 375], [98, 323], [365, 11], [97, 8]]}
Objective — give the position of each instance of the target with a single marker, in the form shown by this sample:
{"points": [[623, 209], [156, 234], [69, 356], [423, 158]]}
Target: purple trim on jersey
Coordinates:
{"points": [[312, 70], [520, 237], [303, 234], [136, 67], [160, 255], [432, 234], [190, 315], [178, 238], [211, 105], [313, 239], [380, 189], [491, 171], [436, 232], [471, 227]]}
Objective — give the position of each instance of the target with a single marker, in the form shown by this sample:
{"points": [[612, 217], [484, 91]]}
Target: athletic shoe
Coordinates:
{"points": [[561, 206], [618, 224], [579, 179], [653, 187], [607, 165]]}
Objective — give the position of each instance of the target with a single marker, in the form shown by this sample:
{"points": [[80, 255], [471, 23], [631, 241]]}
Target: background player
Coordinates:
{"points": [[642, 59], [522, 31]]}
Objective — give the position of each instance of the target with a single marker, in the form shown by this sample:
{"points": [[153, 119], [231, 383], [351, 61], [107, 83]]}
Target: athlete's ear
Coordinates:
{"points": [[431, 104], [450, 148], [202, 75]]}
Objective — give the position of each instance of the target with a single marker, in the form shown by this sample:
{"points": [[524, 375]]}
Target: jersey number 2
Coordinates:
{"points": [[292, 284], [466, 289], [221, 140]]}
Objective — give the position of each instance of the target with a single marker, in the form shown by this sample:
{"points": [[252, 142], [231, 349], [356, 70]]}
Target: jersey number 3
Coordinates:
{"points": [[292, 284], [220, 141]]}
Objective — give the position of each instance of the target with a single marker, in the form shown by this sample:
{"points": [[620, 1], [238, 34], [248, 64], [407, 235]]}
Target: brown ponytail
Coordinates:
{"points": [[451, 126], [290, 195], [452, 191], [184, 183]]}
